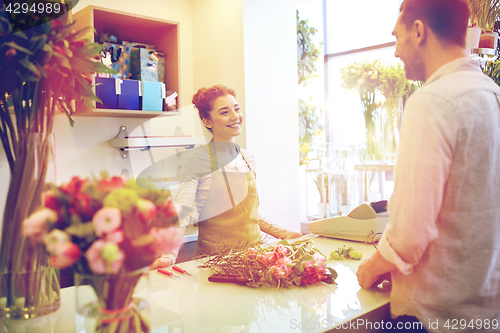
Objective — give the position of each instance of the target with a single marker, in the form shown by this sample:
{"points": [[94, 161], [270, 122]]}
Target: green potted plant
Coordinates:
{"points": [[45, 67], [484, 14], [310, 115]]}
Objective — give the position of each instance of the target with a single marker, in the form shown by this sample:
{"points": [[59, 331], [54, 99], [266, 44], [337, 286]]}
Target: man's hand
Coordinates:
{"points": [[161, 263], [372, 268]]}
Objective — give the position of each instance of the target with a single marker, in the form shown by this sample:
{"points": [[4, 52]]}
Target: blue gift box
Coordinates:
{"points": [[128, 99], [106, 91], [152, 95]]}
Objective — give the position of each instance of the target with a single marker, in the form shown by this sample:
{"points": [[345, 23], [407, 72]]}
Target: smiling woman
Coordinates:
{"points": [[218, 182]]}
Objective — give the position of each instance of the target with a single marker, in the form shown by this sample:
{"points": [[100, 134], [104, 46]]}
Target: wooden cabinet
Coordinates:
{"points": [[134, 28]]}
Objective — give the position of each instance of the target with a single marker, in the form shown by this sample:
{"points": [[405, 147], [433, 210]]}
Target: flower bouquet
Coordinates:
{"points": [[45, 65], [282, 265], [109, 230]]}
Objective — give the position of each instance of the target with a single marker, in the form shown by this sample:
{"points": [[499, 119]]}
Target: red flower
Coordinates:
{"points": [[50, 200], [47, 68], [78, 44], [74, 186], [65, 255], [10, 53], [56, 24], [280, 251], [83, 204], [313, 273], [168, 207], [113, 184], [59, 50]]}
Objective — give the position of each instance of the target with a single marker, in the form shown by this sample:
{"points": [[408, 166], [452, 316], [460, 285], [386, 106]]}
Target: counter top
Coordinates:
{"points": [[193, 304]]}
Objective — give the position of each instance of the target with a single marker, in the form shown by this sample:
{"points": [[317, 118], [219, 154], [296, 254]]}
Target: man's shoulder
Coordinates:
{"points": [[460, 84]]}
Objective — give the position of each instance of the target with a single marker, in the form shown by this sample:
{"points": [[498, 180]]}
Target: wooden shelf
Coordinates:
{"points": [[134, 28], [492, 52]]}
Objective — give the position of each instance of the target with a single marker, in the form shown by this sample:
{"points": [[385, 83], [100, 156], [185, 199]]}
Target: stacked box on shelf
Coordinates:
{"points": [[117, 93], [119, 59]]}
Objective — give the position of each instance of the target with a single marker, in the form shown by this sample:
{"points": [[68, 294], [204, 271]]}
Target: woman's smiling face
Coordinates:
{"points": [[226, 119]]}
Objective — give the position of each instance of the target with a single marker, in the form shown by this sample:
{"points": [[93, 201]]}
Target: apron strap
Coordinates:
{"points": [[215, 163]]}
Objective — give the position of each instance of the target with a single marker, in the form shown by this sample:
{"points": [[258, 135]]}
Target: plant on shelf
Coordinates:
{"points": [[109, 230], [310, 115], [44, 66], [484, 13], [310, 128]]}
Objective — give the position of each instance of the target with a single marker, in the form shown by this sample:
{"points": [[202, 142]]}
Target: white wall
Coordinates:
{"points": [[218, 49], [248, 45], [271, 105]]}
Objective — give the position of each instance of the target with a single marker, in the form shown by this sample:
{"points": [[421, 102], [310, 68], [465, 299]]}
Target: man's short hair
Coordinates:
{"points": [[448, 19]]}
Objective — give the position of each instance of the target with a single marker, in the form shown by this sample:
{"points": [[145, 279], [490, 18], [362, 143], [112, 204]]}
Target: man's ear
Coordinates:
{"points": [[419, 32]]}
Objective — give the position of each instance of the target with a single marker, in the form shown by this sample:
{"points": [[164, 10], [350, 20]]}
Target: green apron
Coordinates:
{"points": [[229, 217]]}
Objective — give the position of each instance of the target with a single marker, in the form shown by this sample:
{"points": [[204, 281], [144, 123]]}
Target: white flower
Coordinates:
{"points": [[52, 239]]}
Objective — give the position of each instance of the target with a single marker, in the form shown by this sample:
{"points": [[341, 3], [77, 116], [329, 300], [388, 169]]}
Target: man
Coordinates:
{"points": [[442, 244]]}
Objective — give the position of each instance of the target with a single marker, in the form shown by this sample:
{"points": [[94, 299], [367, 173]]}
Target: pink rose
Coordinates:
{"points": [[252, 253], [104, 257], [53, 239], [146, 210], [114, 237], [35, 226], [319, 258], [280, 272], [271, 257], [280, 251], [106, 220], [166, 239], [283, 262], [65, 255], [262, 259]]}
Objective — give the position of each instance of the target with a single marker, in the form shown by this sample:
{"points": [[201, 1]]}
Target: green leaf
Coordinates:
{"points": [[332, 272], [89, 50], [17, 47], [81, 230], [29, 65], [142, 241]]}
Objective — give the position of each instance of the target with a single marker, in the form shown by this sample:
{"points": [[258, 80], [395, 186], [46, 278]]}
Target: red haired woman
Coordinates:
{"points": [[218, 182]]}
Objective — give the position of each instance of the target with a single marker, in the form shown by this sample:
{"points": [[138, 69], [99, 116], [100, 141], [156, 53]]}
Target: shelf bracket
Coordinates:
{"points": [[123, 143], [122, 134]]}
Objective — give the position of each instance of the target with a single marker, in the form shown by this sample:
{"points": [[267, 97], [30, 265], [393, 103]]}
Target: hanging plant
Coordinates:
{"points": [[310, 115]]}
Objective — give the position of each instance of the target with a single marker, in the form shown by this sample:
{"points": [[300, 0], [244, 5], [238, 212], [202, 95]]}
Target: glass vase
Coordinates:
{"points": [[27, 283], [112, 303], [25, 295]]}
